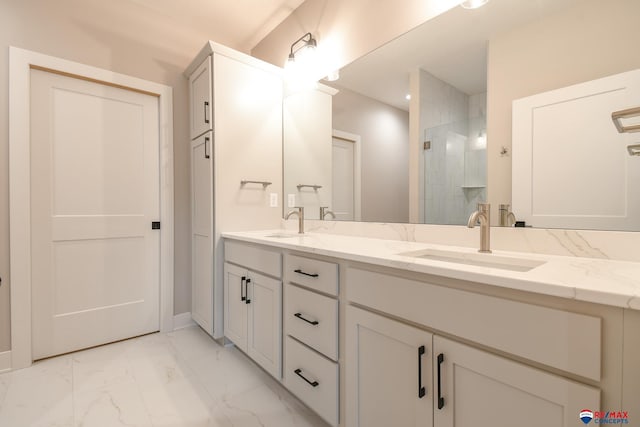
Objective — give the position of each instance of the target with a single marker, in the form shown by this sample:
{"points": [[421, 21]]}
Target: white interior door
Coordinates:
{"points": [[572, 166], [94, 194], [343, 178]]}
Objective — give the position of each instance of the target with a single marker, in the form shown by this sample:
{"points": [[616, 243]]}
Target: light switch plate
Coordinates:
{"points": [[291, 202], [273, 200]]}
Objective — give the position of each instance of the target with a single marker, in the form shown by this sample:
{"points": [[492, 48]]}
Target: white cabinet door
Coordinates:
{"points": [[264, 299], [388, 372], [571, 167], [235, 305], [202, 233], [201, 117], [481, 389]]}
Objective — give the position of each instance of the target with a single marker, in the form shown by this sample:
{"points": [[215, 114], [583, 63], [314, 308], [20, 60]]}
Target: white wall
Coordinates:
{"points": [[122, 36], [593, 40], [384, 132]]}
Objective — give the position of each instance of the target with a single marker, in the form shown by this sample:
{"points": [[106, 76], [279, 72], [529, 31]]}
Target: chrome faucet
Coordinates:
{"points": [[300, 213], [507, 218], [324, 211], [483, 215]]}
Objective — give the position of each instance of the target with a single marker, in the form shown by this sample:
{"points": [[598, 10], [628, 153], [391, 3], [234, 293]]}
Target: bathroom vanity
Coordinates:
{"points": [[382, 332]]}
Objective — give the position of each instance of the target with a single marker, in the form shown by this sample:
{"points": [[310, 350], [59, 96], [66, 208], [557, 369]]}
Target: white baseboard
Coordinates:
{"points": [[182, 320], [5, 361]]}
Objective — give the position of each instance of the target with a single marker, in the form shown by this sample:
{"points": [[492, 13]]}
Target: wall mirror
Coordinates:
{"points": [[403, 135]]}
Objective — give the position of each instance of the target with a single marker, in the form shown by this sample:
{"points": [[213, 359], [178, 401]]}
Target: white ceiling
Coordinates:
{"points": [[240, 24], [451, 46]]}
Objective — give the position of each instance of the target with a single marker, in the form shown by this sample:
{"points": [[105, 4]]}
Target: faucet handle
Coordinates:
{"points": [[484, 207], [324, 211]]}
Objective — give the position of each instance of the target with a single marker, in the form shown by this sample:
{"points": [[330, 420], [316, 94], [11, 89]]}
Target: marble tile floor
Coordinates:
{"points": [[178, 379]]}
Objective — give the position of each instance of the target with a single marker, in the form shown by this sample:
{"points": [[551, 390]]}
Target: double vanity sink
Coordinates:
{"points": [[563, 329], [600, 281]]}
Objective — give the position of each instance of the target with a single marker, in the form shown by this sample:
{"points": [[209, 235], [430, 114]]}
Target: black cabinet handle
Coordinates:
{"points": [[246, 291], [206, 144], [243, 291], [306, 274], [298, 372], [421, 390], [206, 107], [440, 398], [299, 316]]}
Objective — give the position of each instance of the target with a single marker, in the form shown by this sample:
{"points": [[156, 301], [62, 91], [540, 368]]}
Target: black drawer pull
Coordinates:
{"points": [[306, 274], [298, 372], [314, 322], [243, 289], [440, 398], [421, 390]]}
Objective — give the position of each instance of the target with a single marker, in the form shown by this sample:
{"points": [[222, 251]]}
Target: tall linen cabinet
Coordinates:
{"points": [[236, 136]]}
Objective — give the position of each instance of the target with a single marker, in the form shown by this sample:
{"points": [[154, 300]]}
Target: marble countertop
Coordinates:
{"points": [[602, 281]]}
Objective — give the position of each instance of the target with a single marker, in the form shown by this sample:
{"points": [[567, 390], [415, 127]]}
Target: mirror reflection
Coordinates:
{"points": [[402, 135]]}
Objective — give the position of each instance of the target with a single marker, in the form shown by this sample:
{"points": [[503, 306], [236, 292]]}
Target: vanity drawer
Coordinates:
{"points": [[312, 273], [313, 319], [561, 339], [255, 258], [316, 381]]}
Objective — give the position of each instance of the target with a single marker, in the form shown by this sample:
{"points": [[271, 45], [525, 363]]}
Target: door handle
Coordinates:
{"points": [[206, 144], [440, 398], [421, 390], [243, 291], [311, 322], [206, 116], [298, 372], [246, 291]]}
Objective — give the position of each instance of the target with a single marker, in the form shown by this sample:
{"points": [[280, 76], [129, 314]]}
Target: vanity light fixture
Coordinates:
{"points": [[473, 4], [304, 46]]}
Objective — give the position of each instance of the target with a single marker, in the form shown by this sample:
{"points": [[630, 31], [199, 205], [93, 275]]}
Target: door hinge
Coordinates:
{"points": [[155, 225]]}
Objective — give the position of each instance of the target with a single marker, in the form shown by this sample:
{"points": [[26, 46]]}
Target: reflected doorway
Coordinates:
{"points": [[345, 175]]}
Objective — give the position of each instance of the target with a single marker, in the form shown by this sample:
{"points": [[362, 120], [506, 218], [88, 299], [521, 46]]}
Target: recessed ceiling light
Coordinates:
{"points": [[407, 96], [473, 4]]}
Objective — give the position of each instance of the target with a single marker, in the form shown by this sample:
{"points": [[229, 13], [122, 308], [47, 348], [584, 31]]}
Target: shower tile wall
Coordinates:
{"points": [[454, 168], [476, 153]]}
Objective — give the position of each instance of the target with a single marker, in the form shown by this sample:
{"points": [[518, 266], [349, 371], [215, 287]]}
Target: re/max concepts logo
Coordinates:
{"points": [[601, 417]]}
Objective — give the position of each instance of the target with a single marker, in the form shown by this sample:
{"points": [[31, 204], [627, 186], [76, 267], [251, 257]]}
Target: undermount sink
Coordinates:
{"points": [[283, 235], [477, 259]]}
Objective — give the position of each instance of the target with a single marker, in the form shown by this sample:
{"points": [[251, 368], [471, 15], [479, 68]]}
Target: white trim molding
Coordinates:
{"points": [[183, 320], [20, 63]]}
